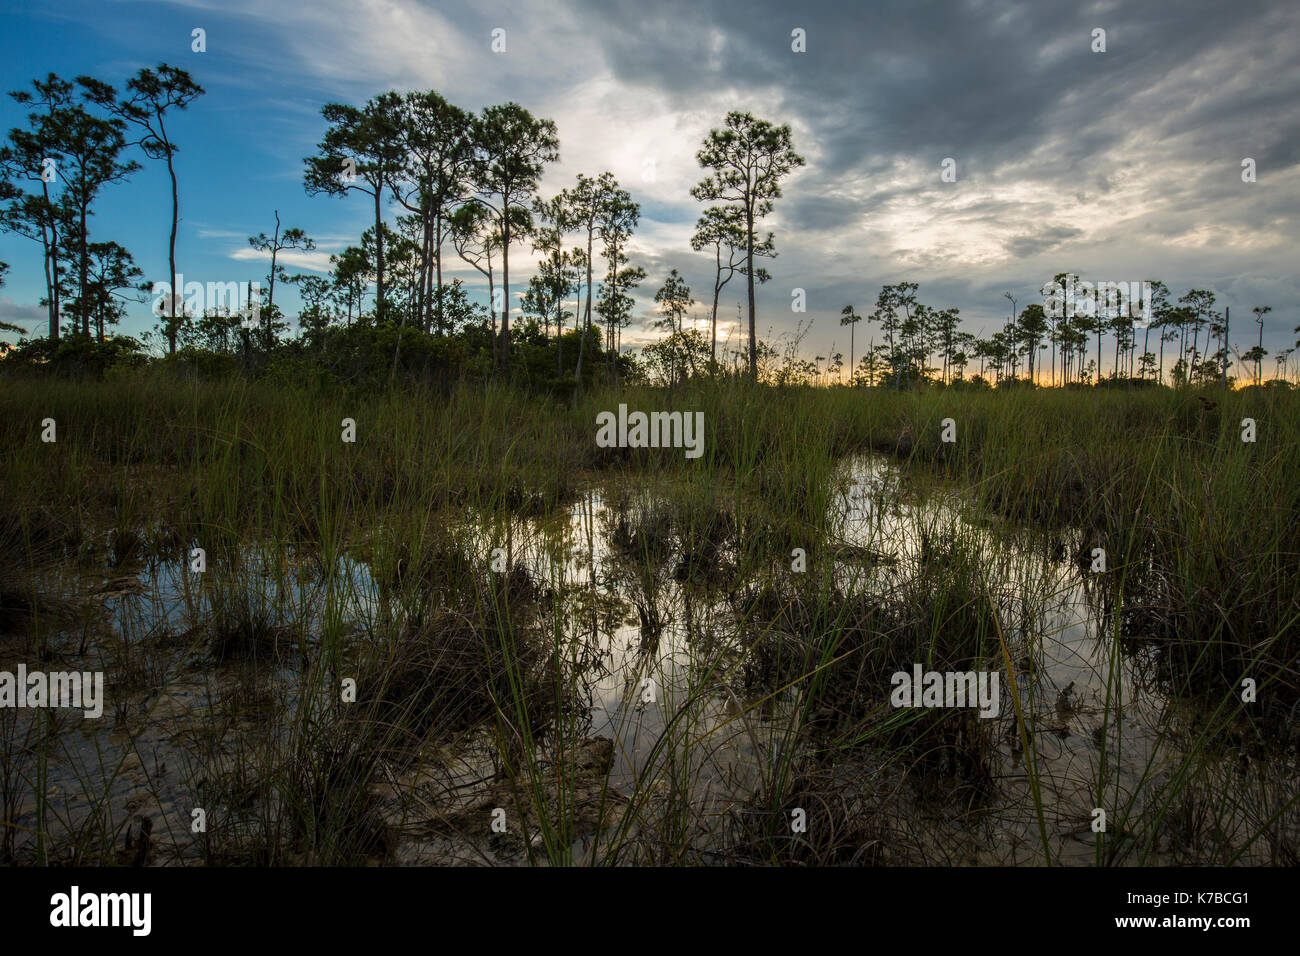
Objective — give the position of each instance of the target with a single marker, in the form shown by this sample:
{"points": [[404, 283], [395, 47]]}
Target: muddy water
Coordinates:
{"points": [[662, 664]]}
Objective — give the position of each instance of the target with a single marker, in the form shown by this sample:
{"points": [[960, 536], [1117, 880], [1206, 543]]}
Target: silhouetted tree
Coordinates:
{"points": [[362, 150], [150, 96], [275, 244], [722, 228], [748, 157], [513, 149]]}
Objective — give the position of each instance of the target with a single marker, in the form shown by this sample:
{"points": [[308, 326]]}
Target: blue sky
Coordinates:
{"points": [[1120, 166]]}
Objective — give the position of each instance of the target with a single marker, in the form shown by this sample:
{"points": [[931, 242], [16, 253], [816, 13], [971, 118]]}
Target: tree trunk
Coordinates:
{"points": [[171, 241], [713, 321], [275, 250], [81, 276], [492, 294], [559, 337], [425, 304], [1224, 341], [379, 250], [437, 261], [586, 323], [270, 294], [51, 263], [749, 259], [51, 299], [1259, 356], [505, 281]]}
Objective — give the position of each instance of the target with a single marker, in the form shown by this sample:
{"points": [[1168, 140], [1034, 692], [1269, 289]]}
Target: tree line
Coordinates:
{"points": [[441, 180], [471, 182], [76, 141], [460, 183], [922, 343]]}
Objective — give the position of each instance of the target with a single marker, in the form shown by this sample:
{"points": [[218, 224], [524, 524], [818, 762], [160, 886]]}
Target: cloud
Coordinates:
{"points": [[1124, 164], [313, 261], [1024, 246], [34, 318]]}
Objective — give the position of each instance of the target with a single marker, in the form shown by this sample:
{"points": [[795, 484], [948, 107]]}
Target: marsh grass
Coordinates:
{"points": [[329, 560]]}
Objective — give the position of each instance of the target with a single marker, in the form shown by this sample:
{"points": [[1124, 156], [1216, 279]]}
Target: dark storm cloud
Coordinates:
{"points": [[986, 83], [983, 79], [1043, 241], [1093, 157]]}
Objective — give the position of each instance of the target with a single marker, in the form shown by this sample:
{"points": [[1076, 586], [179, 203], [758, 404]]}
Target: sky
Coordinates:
{"points": [[1118, 165]]}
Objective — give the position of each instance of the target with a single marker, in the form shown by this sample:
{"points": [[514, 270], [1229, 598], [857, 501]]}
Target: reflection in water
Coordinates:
{"points": [[641, 602]]}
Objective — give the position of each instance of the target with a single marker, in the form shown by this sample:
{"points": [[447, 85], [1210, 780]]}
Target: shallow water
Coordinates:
{"points": [[661, 660]]}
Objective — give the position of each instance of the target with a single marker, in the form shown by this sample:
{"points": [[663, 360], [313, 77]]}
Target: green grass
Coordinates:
{"points": [[464, 673]]}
